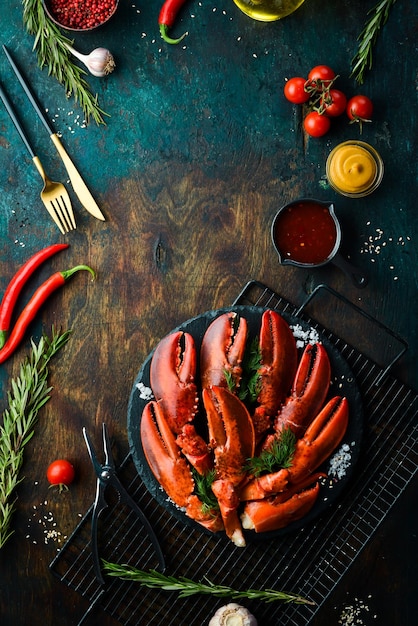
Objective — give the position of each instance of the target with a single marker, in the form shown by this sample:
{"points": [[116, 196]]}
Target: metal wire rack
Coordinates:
{"points": [[310, 561]]}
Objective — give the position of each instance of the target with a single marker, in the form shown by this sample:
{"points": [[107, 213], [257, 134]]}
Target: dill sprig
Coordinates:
{"points": [[249, 388], [278, 455], [29, 392], [52, 52], [203, 488], [186, 587], [363, 59]]}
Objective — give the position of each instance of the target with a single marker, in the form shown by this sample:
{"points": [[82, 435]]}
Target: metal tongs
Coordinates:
{"points": [[106, 477]]}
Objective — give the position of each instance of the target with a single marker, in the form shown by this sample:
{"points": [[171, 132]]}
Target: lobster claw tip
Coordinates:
{"points": [[222, 350], [172, 378]]}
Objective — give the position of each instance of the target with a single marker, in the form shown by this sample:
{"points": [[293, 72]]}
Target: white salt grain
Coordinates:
{"points": [[340, 462]]}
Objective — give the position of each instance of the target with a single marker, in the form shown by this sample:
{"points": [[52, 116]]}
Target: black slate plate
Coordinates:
{"points": [[342, 383]]}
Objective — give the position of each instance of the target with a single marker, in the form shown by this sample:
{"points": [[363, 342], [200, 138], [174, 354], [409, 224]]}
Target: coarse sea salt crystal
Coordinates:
{"points": [[304, 337], [145, 393], [340, 462]]}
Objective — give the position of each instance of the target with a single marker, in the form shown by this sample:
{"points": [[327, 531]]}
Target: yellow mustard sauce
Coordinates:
{"points": [[354, 168]]}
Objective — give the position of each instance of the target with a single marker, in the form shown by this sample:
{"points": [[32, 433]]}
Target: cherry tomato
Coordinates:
{"points": [[321, 76], [334, 103], [60, 472], [294, 90], [316, 125], [359, 108]]}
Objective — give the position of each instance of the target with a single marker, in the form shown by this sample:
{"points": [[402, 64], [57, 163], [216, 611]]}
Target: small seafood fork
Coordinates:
{"points": [[54, 195]]}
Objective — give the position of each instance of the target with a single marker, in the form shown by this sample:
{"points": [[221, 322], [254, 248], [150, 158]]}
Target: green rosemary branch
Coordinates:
{"points": [[29, 392], [186, 587], [52, 52], [363, 59]]}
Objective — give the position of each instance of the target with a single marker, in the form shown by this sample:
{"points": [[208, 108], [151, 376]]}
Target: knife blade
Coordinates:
{"points": [[80, 188]]}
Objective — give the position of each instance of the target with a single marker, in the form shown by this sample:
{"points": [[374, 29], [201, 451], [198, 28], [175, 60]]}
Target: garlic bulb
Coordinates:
{"points": [[99, 62], [233, 615]]}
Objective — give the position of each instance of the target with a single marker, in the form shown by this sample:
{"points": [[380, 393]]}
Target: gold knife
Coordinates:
{"points": [[79, 186]]}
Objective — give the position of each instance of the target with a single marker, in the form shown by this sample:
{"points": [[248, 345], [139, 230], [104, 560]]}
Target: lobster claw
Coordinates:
{"points": [[222, 351], [170, 468], [274, 513], [232, 439], [266, 485], [309, 390], [278, 367], [172, 376], [321, 438]]}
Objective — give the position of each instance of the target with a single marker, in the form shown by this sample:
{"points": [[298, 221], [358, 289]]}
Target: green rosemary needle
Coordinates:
{"points": [[186, 587], [363, 59], [29, 392], [52, 52]]}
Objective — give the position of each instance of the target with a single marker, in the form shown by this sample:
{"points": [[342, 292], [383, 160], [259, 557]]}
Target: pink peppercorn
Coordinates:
{"points": [[82, 14]]}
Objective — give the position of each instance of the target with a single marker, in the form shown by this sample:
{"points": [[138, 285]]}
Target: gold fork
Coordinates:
{"points": [[54, 195]]}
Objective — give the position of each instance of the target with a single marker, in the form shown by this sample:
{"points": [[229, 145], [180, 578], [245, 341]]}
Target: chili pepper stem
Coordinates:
{"points": [[68, 273], [164, 35]]}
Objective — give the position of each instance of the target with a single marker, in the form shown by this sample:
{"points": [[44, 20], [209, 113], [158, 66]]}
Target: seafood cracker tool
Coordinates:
{"points": [[79, 186], [106, 477]]}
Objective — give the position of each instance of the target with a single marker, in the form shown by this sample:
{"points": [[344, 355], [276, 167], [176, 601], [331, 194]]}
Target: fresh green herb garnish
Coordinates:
{"points": [[187, 587], [52, 52], [363, 59], [278, 456], [249, 388], [250, 384], [204, 490], [29, 393]]}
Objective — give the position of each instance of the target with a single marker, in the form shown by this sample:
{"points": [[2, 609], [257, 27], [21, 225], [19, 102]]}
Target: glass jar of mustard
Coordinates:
{"points": [[354, 169], [268, 10]]}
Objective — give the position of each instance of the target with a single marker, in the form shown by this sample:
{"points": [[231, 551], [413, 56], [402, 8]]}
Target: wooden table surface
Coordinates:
{"points": [[199, 152]]}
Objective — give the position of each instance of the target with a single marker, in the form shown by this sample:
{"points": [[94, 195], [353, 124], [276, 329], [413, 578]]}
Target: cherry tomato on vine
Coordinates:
{"points": [[61, 473], [316, 125], [334, 103], [321, 75], [360, 108], [294, 90]]}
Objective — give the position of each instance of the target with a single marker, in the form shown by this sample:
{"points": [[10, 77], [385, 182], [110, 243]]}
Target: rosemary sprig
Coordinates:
{"points": [[52, 52], [29, 392], [277, 456], [187, 587], [363, 59]]}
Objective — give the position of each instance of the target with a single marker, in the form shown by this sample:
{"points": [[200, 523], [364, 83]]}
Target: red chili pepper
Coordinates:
{"points": [[167, 17], [18, 282], [31, 309]]}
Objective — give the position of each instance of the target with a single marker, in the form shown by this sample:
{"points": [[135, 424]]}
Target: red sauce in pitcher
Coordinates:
{"points": [[305, 232]]}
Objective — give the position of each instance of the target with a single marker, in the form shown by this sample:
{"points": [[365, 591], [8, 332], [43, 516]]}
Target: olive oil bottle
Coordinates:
{"points": [[268, 10]]}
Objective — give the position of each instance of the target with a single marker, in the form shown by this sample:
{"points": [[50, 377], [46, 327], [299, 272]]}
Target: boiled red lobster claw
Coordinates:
{"points": [[309, 390], [279, 511], [320, 440], [172, 378], [278, 364], [232, 439], [170, 468], [222, 351]]}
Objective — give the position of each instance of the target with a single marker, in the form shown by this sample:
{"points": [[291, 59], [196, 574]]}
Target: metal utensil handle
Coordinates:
{"points": [[15, 120], [28, 92]]}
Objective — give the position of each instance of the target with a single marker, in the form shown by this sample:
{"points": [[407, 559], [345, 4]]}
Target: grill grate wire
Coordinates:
{"points": [[310, 561]]}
